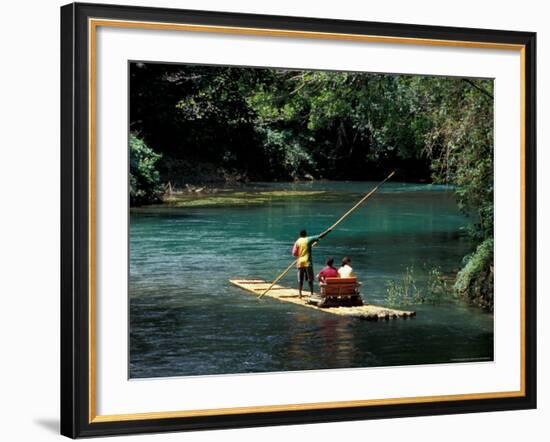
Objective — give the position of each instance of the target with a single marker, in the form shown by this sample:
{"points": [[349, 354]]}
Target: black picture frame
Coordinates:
{"points": [[75, 221]]}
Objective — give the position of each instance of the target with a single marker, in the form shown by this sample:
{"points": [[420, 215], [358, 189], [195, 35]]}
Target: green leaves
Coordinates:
{"points": [[476, 279], [145, 184]]}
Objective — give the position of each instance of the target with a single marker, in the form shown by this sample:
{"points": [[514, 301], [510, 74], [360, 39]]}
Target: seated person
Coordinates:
{"points": [[328, 271], [346, 271]]}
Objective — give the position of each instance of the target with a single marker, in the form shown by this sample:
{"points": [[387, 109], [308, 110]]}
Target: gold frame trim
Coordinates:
{"points": [[93, 24]]}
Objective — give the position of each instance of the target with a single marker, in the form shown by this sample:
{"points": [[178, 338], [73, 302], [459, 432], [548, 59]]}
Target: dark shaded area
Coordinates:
{"points": [[215, 124]]}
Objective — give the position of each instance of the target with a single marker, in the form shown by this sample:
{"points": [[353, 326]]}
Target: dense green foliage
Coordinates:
{"points": [[460, 145], [475, 280], [145, 186], [229, 123], [260, 124]]}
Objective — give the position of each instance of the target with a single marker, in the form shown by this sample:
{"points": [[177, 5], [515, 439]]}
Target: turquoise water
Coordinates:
{"points": [[186, 319]]}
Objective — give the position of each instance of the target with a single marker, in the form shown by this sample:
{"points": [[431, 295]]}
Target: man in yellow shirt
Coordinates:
{"points": [[304, 262]]}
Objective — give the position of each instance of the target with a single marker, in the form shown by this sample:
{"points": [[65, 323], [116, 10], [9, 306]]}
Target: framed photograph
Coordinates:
{"points": [[274, 220]]}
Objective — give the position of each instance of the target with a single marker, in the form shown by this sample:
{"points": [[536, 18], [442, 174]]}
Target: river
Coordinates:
{"points": [[186, 319]]}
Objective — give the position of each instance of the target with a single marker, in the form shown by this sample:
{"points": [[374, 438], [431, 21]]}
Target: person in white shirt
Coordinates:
{"points": [[346, 271]]}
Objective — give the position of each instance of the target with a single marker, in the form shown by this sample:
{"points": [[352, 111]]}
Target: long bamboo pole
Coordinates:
{"points": [[326, 232]]}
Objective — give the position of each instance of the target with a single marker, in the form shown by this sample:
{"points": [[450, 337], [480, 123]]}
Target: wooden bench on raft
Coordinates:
{"points": [[338, 292]]}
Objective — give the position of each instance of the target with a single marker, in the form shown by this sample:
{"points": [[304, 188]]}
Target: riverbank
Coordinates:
{"points": [[247, 193], [180, 173], [203, 196]]}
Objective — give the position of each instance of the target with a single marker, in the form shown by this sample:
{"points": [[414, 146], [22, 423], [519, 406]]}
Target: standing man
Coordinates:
{"points": [[304, 262]]}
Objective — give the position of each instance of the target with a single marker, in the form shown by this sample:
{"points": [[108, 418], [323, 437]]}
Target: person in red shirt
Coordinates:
{"points": [[328, 271]]}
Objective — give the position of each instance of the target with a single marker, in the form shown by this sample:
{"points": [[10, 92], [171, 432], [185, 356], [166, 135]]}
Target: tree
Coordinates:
{"points": [[145, 186], [460, 146]]}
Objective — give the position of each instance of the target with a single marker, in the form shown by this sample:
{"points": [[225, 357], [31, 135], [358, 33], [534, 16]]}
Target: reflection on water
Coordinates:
{"points": [[185, 318]]}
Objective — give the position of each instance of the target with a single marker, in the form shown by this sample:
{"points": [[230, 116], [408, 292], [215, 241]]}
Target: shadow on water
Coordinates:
{"points": [[185, 319]]}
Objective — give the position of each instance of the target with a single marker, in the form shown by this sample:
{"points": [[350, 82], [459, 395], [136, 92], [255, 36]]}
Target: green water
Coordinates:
{"points": [[186, 319]]}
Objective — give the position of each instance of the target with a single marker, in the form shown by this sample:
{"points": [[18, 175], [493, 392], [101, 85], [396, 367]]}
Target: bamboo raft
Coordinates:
{"points": [[368, 312]]}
